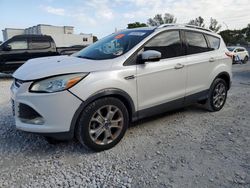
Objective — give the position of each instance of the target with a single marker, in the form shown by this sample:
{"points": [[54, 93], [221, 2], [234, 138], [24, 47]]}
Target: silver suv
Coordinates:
{"points": [[96, 93]]}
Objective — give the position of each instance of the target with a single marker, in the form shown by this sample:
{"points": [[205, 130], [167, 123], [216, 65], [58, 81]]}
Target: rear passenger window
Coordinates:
{"points": [[196, 43], [39, 44], [214, 42], [168, 43]]}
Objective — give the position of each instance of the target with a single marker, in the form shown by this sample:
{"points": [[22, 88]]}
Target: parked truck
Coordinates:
{"points": [[20, 48]]}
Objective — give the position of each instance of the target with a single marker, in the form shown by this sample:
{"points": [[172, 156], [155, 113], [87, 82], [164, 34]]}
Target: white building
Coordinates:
{"points": [[10, 32], [62, 35]]}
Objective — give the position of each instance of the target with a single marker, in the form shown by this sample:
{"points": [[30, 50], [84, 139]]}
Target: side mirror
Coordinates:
{"points": [[6, 47], [150, 55]]}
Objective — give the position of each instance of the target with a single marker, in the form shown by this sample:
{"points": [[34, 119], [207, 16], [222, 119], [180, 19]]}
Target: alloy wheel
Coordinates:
{"points": [[106, 124], [219, 95]]}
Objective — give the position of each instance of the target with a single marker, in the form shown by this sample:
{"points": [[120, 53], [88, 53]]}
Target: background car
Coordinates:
{"points": [[239, 54], [20, 48]]}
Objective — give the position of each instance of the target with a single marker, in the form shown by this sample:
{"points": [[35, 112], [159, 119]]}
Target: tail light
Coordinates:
{"points": [[228, 54]]}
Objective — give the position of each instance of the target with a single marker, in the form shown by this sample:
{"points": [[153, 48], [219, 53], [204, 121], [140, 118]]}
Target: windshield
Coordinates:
{"points": [[113, 45], [230, 49]]}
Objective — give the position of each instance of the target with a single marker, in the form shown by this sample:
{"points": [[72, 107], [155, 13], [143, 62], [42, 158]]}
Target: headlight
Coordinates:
{"points": [[57, 83]]}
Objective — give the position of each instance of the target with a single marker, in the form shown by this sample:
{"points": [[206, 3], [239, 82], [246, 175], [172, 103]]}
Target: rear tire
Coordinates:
{"points": [[217, 95], [234, 60], [102, 124], [245, 60]]}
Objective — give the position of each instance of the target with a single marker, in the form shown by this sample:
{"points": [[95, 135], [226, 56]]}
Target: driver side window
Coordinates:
{"points": [[168, 43], [19, 45]]}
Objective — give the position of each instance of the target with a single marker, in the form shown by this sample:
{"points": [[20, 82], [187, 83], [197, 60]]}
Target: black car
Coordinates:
{"points": [[15, 51]]}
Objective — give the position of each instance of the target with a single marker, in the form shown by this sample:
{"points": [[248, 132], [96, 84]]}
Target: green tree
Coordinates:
{"points": [[246, 32], [199, 21], [136, 24], [227, 36], [159, 20], [234, 37], [214, 26]]}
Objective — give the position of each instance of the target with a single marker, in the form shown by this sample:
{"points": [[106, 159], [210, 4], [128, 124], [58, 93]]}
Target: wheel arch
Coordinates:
{"points": [[116, 93], [225, 76]]}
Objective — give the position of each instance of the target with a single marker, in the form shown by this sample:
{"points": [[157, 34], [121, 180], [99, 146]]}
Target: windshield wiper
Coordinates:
{"points": [[85, 57]]}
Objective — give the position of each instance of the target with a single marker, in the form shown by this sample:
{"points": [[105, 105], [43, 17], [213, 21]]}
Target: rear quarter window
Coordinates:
{"points": [[214, 42]]}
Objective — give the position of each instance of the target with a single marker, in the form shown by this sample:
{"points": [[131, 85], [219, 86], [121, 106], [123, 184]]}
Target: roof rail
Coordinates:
{"points": [[167, 25], [197, 27], [183, 25]]}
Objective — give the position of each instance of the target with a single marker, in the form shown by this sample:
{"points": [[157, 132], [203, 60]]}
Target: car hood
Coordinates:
{"points": [[49, 66]]}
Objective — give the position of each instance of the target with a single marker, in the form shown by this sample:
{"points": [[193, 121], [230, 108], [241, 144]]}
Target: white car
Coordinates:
{"points": [[239, 54], [96, 93]]}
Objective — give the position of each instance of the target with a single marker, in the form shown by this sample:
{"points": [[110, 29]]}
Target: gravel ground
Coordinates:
{"points": [[186, 148]]}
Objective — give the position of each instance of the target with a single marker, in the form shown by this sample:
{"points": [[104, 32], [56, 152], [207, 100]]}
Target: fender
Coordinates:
{"points": [[221, 70], [122, 95]]}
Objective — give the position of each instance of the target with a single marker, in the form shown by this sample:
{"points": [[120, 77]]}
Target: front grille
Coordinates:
{"points": [[26, 112], [18, 83]]}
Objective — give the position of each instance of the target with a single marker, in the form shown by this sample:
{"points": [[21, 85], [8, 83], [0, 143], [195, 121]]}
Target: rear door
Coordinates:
{"points": [[201, 59], [41, 47]]}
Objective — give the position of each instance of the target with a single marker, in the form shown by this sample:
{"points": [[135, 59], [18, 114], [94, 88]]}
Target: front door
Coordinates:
{"points": [[162, 84], [13, 58]]}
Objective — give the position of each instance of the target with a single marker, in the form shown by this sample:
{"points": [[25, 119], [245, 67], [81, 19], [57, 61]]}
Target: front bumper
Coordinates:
{"points": [[55, 109]]}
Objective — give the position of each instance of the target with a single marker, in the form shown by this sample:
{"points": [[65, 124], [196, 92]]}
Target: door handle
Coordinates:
{"points": [[179, 66], [129, 77], [211, 59]]}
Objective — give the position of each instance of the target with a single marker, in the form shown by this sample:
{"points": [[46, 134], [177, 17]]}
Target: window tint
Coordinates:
{"points": [[214, 42], [19, 45], [241, 50], [168, 43], [196, 43], [39, 44]]}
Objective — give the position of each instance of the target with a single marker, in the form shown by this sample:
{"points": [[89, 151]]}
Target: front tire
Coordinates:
{"points": [[217, 95], [102, 124]]}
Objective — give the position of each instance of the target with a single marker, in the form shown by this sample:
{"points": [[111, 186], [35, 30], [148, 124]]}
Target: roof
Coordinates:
{"points": [[11, 29], [30, 36], [52, 25], [235, 47]]}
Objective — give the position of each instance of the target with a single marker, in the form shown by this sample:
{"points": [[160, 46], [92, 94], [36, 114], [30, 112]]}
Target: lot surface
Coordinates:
{"points": [[186, 148]]}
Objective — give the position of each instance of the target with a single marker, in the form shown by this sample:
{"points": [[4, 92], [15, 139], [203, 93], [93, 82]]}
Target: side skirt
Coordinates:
{"points": [[172, 105]]}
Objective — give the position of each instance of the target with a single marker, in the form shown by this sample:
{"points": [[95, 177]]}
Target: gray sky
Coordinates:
{"points": [[101, 17]]}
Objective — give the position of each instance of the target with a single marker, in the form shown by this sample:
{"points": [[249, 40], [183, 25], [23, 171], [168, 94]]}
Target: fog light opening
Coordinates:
{"points": [[35, 121]]}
